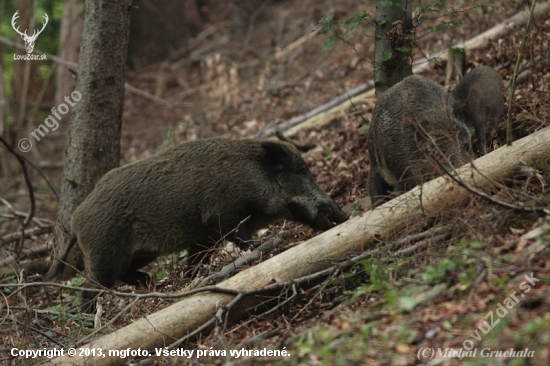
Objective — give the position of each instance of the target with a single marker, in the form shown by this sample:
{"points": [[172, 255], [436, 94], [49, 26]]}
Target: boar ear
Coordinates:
{"points": [[275, 155]]}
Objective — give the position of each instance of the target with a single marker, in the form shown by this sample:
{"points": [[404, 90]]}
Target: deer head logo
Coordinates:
{"points": [[29, 40]]}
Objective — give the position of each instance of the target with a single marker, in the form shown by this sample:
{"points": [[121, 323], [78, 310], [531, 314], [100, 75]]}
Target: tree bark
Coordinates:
{"points": [[355, 235], [94, 135], [393, 44], [72, 22]]}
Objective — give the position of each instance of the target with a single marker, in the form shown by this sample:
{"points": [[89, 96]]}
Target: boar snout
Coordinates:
{"points": [[336, 214], [327, 214]]}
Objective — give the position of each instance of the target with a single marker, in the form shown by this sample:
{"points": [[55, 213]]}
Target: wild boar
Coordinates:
{"points": [[413, 127], [188, 197], [480, 96]]}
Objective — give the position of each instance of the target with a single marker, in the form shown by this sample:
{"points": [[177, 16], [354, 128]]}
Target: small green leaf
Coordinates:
{"points": [[386, 56], [160, 275], [78, 281], [330, 42], [457, 50], [363, 129], [477, 245], [327, 23], [403, 49], [436, 61], [354, 21]]}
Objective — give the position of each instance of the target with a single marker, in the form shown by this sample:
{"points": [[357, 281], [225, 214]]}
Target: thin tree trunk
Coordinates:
{"points": [[72, 22], [393, 45], [94, 137]]}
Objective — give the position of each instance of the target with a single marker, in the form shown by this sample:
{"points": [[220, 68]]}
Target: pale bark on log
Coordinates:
{"points": [[326, 115], [355, 235]]}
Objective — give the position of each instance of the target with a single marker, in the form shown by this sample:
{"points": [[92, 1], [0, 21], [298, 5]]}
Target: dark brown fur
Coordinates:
{"points": [[187, 197], [397, 141], [480, 96]]}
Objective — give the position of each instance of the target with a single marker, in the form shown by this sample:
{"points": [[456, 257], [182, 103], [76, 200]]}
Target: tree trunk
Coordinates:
{"points": [[456, 66], [355, 235], [72, 22], [393, 44], [94, 136]]}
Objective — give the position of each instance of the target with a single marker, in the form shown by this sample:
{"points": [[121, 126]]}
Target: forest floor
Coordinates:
{"points": [[386, 309]]}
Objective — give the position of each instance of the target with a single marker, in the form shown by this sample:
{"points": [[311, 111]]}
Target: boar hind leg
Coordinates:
{"points": [[482, 137], [378, 188]]}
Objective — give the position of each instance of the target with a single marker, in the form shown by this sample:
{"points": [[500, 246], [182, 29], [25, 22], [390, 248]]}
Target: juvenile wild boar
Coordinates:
{"points": [[188, 197], [480, 96], [401, 154]]}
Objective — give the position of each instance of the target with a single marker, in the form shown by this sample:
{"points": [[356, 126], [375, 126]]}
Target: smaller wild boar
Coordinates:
{"points": [[408, 118], [188, 197], [480, 96]]}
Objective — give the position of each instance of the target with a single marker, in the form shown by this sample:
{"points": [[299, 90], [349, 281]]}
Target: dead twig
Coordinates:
{"points": [[244, 324], [16, 215], [229, 269], [221, 240], [28, 233], [109, 323], [30, 188]]}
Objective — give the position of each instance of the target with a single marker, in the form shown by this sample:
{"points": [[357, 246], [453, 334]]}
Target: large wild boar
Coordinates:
{"points": [[188, 197], [480, 96], [412, 128]]}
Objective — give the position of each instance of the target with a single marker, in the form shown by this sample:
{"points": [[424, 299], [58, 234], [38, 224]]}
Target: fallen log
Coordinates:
{"points": [[356, 235]]}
